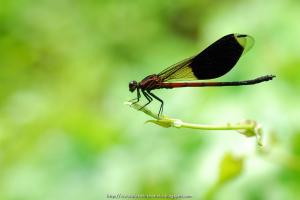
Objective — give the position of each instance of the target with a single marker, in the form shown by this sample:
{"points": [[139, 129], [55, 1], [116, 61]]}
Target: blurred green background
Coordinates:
{"points": [[64, 72]]}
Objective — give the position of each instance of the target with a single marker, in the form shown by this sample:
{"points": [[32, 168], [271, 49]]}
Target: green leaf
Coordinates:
{"points": [[163, 123], [230, 167]]}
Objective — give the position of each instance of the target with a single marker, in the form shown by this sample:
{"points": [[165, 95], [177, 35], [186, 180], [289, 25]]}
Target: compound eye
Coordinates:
{"points": [[132, 86]]}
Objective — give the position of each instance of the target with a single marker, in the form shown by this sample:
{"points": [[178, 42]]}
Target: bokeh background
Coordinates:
{"points": [[64, 72]]}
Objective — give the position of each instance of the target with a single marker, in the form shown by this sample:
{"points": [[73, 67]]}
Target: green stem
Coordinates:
{"points": [[248, 128], [228, 126]]}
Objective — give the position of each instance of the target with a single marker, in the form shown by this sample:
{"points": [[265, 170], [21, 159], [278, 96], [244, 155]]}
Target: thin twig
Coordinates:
{"points": [[248, 128]]}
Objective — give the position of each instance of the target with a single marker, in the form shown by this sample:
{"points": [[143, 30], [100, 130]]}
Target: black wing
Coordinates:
{"points": [[213, 62]]}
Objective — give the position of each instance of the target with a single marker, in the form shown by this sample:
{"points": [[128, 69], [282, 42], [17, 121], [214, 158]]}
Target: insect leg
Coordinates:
{"points": [[147, 97], [137, 99], [158, 99]]}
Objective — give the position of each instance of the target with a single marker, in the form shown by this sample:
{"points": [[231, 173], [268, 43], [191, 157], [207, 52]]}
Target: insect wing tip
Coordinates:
{"points": [[246, 41]]}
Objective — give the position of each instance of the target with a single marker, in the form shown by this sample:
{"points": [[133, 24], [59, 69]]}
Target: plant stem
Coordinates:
{"points": [[248, 128]]}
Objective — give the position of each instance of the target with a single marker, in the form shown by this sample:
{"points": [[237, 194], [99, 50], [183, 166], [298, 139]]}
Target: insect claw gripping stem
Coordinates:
{"points": [[137, 99], [158, 99], [134, 101], [147, 97]]}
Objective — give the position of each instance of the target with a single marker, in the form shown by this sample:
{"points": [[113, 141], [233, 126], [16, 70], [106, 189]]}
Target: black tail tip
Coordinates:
{"points": [[270, 77], [267, 77]]}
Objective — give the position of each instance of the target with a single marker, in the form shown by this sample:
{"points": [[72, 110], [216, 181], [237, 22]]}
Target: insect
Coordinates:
{"points": [[213, 62]]}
